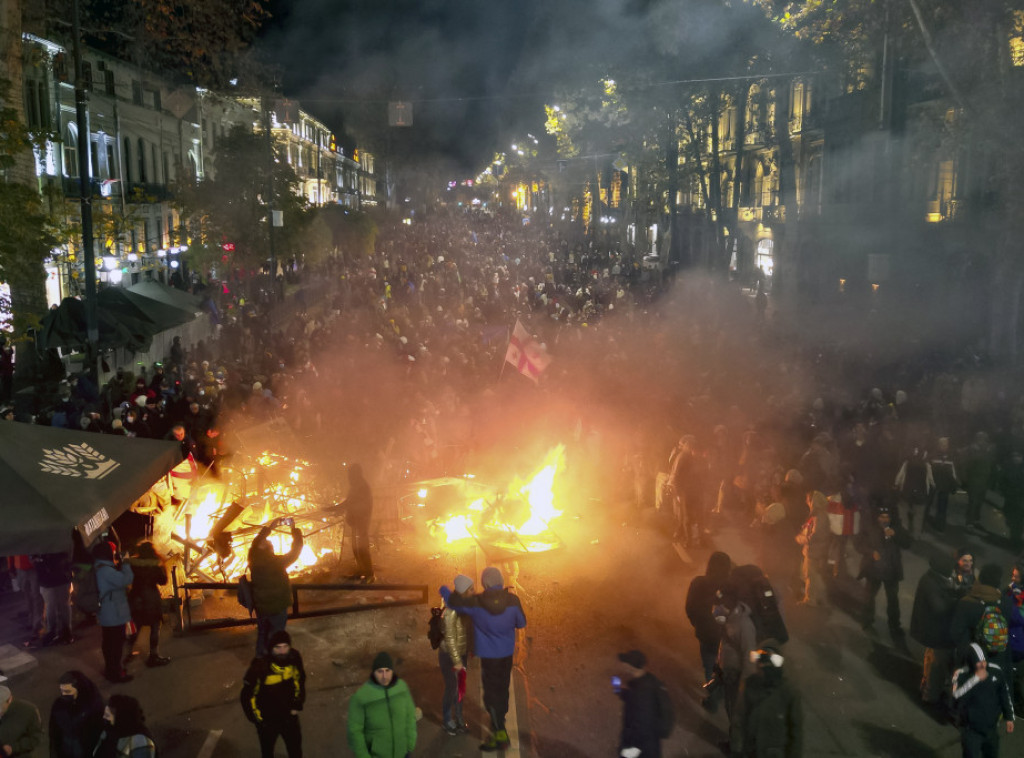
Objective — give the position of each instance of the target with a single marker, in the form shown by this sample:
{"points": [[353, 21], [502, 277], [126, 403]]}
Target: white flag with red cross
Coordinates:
{"points": [[526, 354]]}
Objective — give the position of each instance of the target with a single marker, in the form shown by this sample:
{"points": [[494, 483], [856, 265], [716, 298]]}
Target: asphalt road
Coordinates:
{"points": [[616, 584]]}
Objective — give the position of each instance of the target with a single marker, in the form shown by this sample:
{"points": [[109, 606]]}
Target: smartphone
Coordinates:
{"points": [[288, 521], [616, 684]]}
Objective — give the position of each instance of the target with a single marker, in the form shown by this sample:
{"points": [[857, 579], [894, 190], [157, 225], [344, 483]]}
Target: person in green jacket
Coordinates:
{"points": [[21, 729], [382, 715]]}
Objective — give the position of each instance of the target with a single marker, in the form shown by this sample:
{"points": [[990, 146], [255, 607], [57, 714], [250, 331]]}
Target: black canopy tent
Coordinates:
{"points": [[64, 326], [55, 480]]}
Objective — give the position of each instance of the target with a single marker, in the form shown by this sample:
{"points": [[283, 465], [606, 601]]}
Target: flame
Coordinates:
{"points": [[493, 520]]}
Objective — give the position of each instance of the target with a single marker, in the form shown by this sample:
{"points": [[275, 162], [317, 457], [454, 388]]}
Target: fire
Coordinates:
{"points": [[503, 520]]}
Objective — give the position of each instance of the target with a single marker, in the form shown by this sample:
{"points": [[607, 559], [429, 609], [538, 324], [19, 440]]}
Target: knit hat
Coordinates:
{"points": [[463, 584], [991, 575], [280, 637], [491, 577], [634, 658], [383, 661]]}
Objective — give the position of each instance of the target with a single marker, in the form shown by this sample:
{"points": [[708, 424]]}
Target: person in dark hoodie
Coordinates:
{"points": [[273, 693], [145, 600], [971, 607], [125, 733], [773, 717], [700, 599], [76, 717], [982, 695], [641, 713], [382, 714], [930, 624], [496, 614], [358, 507]]}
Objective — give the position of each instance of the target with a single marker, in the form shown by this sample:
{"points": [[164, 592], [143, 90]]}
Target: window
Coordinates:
{"points": [[94, 155], [32, 104], [142, 161], [1017, 39], [166, 167], [108, 82], [127, 158], [70, 150], [153, 162], [111, 161], [136, 92], [87, 75]]}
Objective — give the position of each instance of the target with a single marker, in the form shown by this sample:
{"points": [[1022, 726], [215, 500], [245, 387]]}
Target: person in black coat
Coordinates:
{"points": [[971, 607], [982, 692], [641, 714], [700, 599], [880, 545], [358, 507], [145, 600], [76, 717], [931, 624], [773, 719]]}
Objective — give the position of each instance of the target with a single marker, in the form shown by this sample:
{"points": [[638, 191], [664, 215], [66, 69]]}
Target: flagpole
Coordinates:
{"points": [[504, 360]]}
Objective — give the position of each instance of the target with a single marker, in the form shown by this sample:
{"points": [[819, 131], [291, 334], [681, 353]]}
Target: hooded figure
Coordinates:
{"points": [[930, 622], [381, 714], [496, 614], [700, 599], [982, 693], [358, 507], [772, 712]]}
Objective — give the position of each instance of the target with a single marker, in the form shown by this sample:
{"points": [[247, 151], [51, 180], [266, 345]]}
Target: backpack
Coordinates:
{"points": [[757, 592], [86, 595], [244, 594], [666, 713], [992, 633], [435, 628]]}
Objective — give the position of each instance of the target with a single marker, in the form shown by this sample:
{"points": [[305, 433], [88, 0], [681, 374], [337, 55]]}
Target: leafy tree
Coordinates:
{"points": [[353, 233]]}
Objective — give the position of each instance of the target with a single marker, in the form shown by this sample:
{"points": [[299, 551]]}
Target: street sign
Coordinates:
{"points": [[400, 113]]}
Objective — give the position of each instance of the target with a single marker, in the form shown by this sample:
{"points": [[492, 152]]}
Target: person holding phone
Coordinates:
{"points": [[271, 587]]}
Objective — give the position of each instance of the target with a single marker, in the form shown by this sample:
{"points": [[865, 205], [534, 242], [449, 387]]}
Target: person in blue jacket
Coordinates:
{"points": [[113, 577], [496, 614]]}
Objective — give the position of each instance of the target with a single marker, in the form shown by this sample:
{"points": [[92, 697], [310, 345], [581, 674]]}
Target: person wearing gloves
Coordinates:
{"points": [[641, 713], [382, 715], [496, 615], [273, 693], [452, 657], [982, 694]]}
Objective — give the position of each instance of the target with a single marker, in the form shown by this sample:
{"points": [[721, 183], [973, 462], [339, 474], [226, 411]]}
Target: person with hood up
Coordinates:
{"points": [[880, 545], [982, 695], [930, 624], [700, 599], [76, 717], [382, 715], [126, 734], [145, 600], [271, 588], [113, 577], [453, 658], [273, 693], [773, 716], [358, 507], [971, 607], [739, 638], [496, 615]]}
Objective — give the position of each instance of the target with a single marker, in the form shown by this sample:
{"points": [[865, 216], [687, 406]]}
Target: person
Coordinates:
{"points": [[687, 480], [76, 717], [930, 624], [113, 577], [381, 714], [880, 545], [125, 734], [452, 657], [496, 615], [979, 462], [28, 582], [358, 507], [815, 539], [271, 588], [641, 712], [739, 638], [971, 607], [145, 600], [1015, 622], [273, 694], [700, 599], [773, 717], [915, 483], [54, 571], [963, 578], [21, 729], [982, 696], [944, 473]]}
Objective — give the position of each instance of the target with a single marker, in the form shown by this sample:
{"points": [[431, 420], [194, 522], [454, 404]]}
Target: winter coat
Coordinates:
{"points": [[944, 473], [1015, 621], [772, 717], [271, 588], [640, 715], [138, 745], [739, 637], [496, 614], [914, 479], [144, 596], [75, 726], [112, 584], [980, 704], [21, 728], [455, 642], [271, 690], [53, 569], [700, 598], [382, 720], [968, 612], [934, 600], [889, 566]]}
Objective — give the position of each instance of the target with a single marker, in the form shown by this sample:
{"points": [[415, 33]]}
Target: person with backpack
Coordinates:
{"points": [[126, 733], [647, 713], [739, 638], [271, 588], [980, 617], [773, 718], [981, 692], [452, 657]]}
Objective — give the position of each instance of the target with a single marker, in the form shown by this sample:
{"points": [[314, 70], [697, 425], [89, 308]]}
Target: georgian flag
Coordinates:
{"points": [[526, 354]]}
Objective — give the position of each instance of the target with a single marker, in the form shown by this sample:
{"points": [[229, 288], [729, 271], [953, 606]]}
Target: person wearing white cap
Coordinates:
{"points": [[21, 729]]}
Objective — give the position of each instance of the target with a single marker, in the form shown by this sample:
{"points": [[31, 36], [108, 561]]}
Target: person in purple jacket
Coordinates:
{"points": [[496, 614]]}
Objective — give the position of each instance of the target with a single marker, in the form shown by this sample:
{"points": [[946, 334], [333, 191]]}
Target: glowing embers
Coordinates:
{"points": [[515, 522]]}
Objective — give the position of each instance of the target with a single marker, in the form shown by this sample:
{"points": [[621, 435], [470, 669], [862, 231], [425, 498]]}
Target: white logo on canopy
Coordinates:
{"points": [[80, 461]]}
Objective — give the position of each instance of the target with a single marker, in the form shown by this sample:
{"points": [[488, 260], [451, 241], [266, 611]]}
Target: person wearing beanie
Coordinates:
{"points": [[646, 711], [382, 714], [271, 587], [986, 592], [981, 690], [496, 615], [273, 693], [453, 657], [773, 719], [21, 729]]}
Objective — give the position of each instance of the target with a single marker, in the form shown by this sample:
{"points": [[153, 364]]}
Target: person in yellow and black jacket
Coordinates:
{"points": [[273, 693]]}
